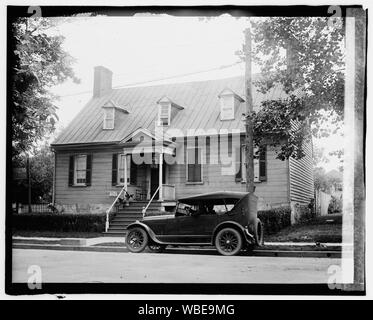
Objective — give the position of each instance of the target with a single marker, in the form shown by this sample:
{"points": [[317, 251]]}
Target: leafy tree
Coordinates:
{"points": [[304, 57], [326, 180], [41, 172], [39, 62], [41, 175]]}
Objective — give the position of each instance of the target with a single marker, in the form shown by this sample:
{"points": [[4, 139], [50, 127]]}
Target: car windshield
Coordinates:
{"points": [[202, 207]]}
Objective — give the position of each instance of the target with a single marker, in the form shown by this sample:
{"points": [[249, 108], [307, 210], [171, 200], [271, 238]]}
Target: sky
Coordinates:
{"points": [[144, 48]]}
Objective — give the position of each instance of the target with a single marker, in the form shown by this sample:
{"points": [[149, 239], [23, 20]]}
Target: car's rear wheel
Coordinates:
{"points": [[228, 242], [155, 247], [136, 240]]}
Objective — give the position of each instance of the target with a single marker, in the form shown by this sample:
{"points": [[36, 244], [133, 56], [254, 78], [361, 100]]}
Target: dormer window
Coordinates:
{"points": [[109, 118], [110, 108], [229, 103], [164, 114], [167, 110]]}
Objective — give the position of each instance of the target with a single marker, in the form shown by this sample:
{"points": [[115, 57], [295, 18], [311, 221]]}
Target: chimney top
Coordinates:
{"points": [[102, 81]]}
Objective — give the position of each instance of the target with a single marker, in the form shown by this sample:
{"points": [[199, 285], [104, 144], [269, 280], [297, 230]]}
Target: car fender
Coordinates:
{"points": [[150, 232], [227, 224]]}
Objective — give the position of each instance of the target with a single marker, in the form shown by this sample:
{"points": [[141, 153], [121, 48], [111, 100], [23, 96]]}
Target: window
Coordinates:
{"points": [[164, 114], [80, 170], [118, 172], [194, 166], [227, 107], [109, 114], [260, 166]]}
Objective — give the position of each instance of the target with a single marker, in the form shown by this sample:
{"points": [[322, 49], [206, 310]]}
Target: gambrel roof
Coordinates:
{"points": [[199, 100]]}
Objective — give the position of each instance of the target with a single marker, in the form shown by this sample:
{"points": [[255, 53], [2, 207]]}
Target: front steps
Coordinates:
{"points": [[129, 214]]}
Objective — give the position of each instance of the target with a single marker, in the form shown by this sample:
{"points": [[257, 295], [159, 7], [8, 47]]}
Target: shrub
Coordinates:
{"points": [[275, 219], [59, 222]]}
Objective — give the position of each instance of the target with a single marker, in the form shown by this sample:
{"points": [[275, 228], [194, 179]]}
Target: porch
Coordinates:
{"points": [[143, 173]]}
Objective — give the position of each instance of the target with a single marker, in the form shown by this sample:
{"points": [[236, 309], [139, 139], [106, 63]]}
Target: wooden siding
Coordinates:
{"points": [[301, 177], [101, 185], [272, 192]]}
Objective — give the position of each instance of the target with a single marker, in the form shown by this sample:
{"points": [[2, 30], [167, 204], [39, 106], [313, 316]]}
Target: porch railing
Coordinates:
{"points": [[150, 201], [107, 223]]}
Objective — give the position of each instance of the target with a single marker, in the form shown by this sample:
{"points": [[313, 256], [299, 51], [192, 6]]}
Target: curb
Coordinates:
{"points": [[258, 252]]}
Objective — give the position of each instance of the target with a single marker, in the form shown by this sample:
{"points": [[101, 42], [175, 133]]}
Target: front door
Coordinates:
{"points": [[154, 180]]}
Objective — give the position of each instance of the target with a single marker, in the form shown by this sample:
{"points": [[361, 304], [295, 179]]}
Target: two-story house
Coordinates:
{"points": [[165, 142]]}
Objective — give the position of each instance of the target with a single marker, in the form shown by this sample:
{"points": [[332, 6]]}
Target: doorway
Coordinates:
{"points": [[154, 179]]}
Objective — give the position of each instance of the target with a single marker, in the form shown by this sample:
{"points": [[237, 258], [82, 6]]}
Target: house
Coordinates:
{"points": [[168, 141]]}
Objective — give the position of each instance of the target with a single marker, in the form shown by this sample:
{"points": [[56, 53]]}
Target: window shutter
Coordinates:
{"points": [[88, 175], [238, 161], [114, 170], [263, 164], [71, 170], [133, 170]]}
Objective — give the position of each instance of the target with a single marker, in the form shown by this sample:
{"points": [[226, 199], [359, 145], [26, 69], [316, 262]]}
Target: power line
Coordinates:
{"points": [[159, 79]]}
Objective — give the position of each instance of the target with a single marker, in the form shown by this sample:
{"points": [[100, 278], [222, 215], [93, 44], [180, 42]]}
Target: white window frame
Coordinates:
{"points": [[119, 169], [227, 103], [76, 183], [160, 122], [187, 164], [106, 112]]}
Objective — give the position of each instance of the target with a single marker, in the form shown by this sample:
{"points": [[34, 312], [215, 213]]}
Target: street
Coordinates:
{"points": [[117, 267]]}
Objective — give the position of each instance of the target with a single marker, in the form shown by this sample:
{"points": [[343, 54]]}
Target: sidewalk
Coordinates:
{"points": [[117, 244]]}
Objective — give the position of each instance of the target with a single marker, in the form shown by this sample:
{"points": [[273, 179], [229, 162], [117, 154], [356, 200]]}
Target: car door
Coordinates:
{"points": [[196, 228]]}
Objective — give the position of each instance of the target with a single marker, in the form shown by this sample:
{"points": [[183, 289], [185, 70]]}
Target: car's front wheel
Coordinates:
{"points": [[136, 240], [228, 242]]}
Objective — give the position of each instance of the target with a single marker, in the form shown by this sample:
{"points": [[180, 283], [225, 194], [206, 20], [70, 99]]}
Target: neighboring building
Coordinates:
{"points": [[99, 151]]}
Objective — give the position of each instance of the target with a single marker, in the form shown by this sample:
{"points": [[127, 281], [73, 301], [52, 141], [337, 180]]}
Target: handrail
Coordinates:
{"points": [[111, 207], [147, 206]]}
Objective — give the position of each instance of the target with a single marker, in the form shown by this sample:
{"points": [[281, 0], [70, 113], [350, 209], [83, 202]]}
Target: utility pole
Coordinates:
{"points": [[249, 144], [28, 183]]}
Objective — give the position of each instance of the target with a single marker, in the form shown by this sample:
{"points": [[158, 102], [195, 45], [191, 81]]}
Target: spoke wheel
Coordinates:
{"points": [[155, 247], [228, 242], [136, 240]]}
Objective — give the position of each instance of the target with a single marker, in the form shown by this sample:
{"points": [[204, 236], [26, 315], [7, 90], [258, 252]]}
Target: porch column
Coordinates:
{"points": [[160, 176], [125, 170]]}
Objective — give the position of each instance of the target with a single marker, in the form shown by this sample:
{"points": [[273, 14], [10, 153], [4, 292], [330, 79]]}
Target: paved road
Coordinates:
{"points": [[109, 267]]}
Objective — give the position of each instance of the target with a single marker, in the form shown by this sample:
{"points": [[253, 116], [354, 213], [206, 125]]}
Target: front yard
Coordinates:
{"points": [[322, 229]]}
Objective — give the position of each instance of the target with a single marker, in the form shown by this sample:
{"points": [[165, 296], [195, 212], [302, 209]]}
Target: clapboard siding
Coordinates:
{"points": [[273, 191], [301, 177], [98, 192]]}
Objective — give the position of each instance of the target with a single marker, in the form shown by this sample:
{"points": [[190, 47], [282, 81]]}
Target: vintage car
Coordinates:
{"points": [[227, 220]]}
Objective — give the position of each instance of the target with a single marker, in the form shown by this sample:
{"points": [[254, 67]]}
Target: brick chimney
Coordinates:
{"points": [[102, 82]]}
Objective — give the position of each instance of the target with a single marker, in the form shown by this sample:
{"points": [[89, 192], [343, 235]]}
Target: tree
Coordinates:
{"points": [[326, 180], [304, 57], [41, 169], [39, 62]]}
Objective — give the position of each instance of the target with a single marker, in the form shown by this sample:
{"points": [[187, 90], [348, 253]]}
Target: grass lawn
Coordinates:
{"points": [[322, 229], [55, 234]]}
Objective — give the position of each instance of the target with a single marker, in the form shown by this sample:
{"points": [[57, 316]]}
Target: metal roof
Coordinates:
{"points": [[199, 100]]}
